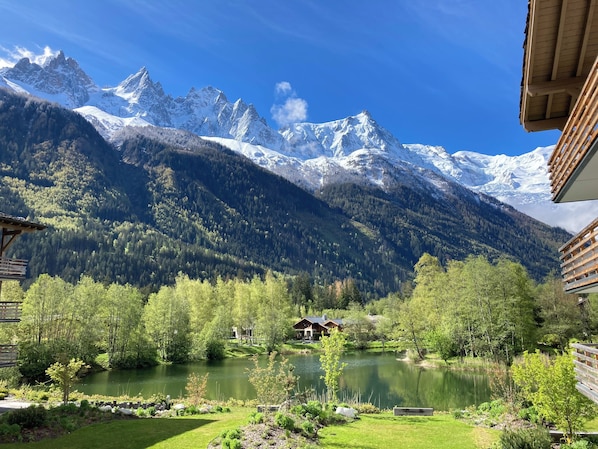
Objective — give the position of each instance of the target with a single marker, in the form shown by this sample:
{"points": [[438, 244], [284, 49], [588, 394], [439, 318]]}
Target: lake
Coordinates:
{"points": [[379, 378]]}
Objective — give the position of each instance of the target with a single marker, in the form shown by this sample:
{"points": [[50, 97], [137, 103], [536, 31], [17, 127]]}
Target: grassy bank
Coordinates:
{"points": [[370, 432]]}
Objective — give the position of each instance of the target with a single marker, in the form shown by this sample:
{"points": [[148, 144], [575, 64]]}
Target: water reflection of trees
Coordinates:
{"points": [[376, 378]]}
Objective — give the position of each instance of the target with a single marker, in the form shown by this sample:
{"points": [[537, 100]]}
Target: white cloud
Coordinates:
{"points": [[284, 88], [292, 109], [11, 57]]}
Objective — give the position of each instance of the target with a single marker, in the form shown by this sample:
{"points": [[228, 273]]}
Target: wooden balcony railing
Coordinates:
{"points": [[579, 261], [12, 268], [585, 357], [8, 355], [576, 145], [10, 312]]}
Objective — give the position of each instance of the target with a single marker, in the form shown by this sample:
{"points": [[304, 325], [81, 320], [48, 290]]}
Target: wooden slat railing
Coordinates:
{"points": [[10, 312], [12, 268], [585, 357], [577, 138], [579, 260], [8, 355]]}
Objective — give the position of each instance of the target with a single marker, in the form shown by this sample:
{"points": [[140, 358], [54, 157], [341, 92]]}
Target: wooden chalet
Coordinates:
{"points": [[559, 90], [12, 269], [311, 328]]}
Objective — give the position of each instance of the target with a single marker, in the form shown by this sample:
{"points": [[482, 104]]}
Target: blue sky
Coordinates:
{"points": [[438, 72]]}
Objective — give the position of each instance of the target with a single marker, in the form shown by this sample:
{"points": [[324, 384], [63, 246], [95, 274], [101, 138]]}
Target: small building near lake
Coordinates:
{"points": [[311, 328]]}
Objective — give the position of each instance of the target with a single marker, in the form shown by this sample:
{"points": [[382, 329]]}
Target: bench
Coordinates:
{"points": [[413, 411], [267, 408]]}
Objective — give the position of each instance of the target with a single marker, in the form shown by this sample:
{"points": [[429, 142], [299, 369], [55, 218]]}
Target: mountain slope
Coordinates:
{"points": [[355, 149], [167, 201]]}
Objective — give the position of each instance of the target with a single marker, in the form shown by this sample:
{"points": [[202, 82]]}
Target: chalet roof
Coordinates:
{"points": [[19, 223], [321, 320], [561, 44]]}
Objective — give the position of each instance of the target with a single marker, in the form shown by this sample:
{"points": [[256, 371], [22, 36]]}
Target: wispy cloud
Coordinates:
{"points": [[290, 108], [11, 57]]}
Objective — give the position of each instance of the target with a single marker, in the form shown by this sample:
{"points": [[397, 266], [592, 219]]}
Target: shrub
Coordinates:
{"points": [[308, 428], [28, 418], [364, 409], [196, 387], [231, 444], [536, 438], [256, 418], [231, 439], [10, 430], [579, 444], [215, 350], [530, 414], [284, 421]]}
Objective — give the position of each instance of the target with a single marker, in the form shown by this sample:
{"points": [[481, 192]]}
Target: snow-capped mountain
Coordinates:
{"points": [[354, 149]]}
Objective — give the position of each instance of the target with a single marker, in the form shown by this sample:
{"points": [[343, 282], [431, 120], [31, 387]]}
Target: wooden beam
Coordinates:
{"points": [[571, 86], [545, 124], [586, 37], [559, 41]]}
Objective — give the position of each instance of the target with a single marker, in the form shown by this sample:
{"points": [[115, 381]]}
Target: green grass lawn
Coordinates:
{"points": [[180, 433], [371, 431], [422, 432]]}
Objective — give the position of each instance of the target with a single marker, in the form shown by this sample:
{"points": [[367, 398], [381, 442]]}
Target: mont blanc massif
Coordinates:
{"points": [[137, 186]]}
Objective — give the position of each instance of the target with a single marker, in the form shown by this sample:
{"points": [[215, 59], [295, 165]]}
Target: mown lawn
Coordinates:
{"points": [[423, 432], [370, 432], [156, 433]]}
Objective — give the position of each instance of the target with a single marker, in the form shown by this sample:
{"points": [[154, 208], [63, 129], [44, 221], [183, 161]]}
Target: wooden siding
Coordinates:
{"points": [[10, 312], [579, 260], [578, 138], [12, 268], [586, 369], [8, 355]]}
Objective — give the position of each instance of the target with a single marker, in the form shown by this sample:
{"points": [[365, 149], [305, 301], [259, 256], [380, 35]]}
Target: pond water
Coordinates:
{"points": [[379, 378]]}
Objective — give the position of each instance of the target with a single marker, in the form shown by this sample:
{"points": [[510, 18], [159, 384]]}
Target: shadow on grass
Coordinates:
{"points": [[130, 434]]}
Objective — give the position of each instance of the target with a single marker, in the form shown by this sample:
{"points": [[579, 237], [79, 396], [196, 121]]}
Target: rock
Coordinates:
{"points": [[179, 407], [125, 411], [105, 408], [346, 411]]}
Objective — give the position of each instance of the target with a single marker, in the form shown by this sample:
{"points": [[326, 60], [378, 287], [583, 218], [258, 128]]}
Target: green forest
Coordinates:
{"points": [[469, 308], [151, 207]]}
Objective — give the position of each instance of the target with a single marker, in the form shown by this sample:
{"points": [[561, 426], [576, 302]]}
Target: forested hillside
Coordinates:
{"points": [[150, 209]]}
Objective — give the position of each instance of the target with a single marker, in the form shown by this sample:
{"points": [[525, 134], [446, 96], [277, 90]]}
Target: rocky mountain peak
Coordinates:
{"points": [[59, 77]]}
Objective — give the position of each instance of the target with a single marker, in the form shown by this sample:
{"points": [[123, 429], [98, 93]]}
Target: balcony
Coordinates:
{"points": [[8, 355], [573, 165], [579, 261], [585, 357], [12, 268], [10, 312]]}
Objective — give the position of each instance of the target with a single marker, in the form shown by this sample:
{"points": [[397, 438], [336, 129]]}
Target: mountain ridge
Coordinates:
{"points": [[308, 154], [157, 201]]}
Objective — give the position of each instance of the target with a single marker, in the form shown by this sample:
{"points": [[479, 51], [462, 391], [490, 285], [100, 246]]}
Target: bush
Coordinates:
{"points": [[231, 439], [365, 409], [536, 438], [256, 418], [10, 430], [284, 421], [308, 428], [579, 444], [215, 350], [28, 418], [530, 414]]}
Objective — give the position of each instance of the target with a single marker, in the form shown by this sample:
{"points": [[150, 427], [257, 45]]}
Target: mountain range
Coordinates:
{"points": [[310, 155], [359, 203]]}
